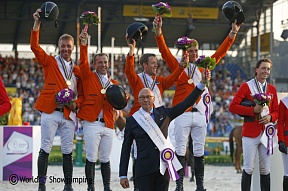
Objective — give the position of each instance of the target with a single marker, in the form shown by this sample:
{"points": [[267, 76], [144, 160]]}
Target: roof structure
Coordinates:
{"points": [[17, 21]]}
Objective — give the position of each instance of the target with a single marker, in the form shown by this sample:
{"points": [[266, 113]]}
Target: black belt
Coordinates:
{"points": [[59, 109], [100, 120], [194, 110]]}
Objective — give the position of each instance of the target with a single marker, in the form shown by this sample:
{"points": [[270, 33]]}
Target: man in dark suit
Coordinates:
{"points": [[148, 175]]}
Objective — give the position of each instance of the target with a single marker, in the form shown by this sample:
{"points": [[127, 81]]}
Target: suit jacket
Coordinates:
{"points": [[182, 87], [136, 83], [54, 81], [5, 104], [282, 124], [94, 101], [148, 155], [253, 129]]}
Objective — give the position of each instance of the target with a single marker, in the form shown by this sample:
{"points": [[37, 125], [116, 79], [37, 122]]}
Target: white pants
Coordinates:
{"points": [[98, 138], [285, 163], [250, 148], [49, 125], [193, 123]]}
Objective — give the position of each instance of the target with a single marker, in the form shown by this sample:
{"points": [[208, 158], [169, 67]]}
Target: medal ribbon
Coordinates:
{"points": [[67, 75], [146, 82], [191, 71], [104, 86], [258, 86]]}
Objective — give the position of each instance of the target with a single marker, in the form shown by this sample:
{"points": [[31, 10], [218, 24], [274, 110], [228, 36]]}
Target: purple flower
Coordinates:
{"points": [[65, 97], [262, 98], [162, 9], [184, 43]]}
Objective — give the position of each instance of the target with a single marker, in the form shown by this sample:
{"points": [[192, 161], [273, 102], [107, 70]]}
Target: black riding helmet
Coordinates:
{"points": [[116, 96], [49, 12], [233, 10], [136, 31]]}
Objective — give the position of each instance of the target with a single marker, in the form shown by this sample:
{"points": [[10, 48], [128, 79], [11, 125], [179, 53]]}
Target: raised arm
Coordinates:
{"points": [[84, 64], [166, 54]]}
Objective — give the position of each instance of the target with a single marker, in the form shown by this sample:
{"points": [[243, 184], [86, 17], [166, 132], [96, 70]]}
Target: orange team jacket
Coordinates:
{"points": [[54, 81], [136, 83], [183, 89], [94, 101], [282, 124], [5, 104], [253, 129]]}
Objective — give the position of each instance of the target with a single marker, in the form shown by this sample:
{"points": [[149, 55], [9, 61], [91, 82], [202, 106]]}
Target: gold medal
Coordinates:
{"points": [[103, 91], [190, 81], [68, 82]]}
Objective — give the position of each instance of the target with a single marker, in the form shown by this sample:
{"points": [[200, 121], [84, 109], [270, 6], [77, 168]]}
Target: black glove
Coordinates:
{"points": [[282, 147]]}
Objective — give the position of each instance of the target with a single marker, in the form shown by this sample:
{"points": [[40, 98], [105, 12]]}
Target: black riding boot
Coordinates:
{"points": [[179, 182], [68, 171], [199, 173], [246, 181], [90, 174], [42, 169], [265, 182], [285, 183], [106, 174]]}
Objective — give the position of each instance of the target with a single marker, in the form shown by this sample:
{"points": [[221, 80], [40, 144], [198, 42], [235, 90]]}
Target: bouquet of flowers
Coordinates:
{"points": [[162, 9], [206, 62], [65, 97], [262, 99], [89, 18], [184, 43]]}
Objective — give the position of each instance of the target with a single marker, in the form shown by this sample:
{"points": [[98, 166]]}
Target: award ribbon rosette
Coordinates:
{"points": [[89, 18], [167, 155], [167, 159], [270, 132], [66, 97], [207, 101], [268, 138]]}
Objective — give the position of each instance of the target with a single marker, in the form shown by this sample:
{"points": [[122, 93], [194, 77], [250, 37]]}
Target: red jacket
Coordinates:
{"points": [[183, 89], [282, 122], [136, 83], [54, 81], [94, 101], [253, 129], [5, 104]]}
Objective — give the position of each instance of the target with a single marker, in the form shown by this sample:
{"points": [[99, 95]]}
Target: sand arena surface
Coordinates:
{"points": [[222, 178]]}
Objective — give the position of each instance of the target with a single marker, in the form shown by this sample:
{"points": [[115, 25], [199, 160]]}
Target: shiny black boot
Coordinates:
{"points": [[246, 181], [106, 175], [90, 175], [179, 182], [199, 173], [42, 169], [68, 171]]}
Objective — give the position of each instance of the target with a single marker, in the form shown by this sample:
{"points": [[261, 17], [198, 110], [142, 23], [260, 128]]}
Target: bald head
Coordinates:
{"points": [[146, 99]]}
